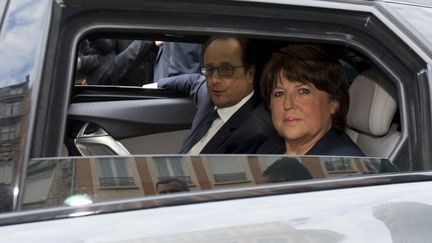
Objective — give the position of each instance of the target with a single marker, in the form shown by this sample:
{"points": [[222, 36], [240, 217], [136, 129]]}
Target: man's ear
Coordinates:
{"points": [[250, 74]]}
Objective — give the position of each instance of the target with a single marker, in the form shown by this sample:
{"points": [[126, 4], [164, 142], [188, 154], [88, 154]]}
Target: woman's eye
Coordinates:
{"points": [[278, 93], [304, 91]]}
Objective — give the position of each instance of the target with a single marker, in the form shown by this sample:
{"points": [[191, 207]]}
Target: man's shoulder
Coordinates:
{"points": [[256, 122], [261, 114]]}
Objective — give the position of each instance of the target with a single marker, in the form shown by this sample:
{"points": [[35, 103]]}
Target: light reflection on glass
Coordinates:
{"points": [[78, 200]]}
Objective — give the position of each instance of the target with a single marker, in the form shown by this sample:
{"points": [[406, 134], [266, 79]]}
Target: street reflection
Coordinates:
{"points": [[274, 232], [22, 47], [51, 182], [406, 221], [14, 110]]}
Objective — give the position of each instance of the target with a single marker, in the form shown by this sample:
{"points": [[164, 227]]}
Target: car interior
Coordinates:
{"points": [[131, 120], [371, 118]]}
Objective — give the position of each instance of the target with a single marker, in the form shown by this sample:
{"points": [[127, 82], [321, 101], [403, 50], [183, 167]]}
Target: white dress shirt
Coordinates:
{"points": [[224, 115]]}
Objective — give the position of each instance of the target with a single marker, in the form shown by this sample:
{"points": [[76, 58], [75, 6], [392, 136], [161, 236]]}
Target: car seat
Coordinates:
{"points": [[373, 104]]}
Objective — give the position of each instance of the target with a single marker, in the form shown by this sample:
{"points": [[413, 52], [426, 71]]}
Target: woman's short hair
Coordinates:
{"points": [[309, 64]]}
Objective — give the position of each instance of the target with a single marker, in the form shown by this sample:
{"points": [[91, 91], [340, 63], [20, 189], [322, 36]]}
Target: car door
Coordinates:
{"points": [[106, 120]]}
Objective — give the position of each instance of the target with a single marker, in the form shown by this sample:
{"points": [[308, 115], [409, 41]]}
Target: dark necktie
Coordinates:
{"points": [[200, 131]]}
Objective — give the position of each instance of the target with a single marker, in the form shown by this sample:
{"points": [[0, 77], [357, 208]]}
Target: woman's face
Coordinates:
{"points": [[301, 113]]}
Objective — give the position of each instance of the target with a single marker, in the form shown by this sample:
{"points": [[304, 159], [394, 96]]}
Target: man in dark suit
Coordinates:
{"points": [[230, 118], [108, 68], [175, 58]]}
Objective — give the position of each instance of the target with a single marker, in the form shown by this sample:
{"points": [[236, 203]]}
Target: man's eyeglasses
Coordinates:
{"points": [[224, 70]]}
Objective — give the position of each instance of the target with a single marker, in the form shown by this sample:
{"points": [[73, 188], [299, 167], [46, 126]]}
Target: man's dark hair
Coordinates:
{"points": [[286, 169], [248, 52]]}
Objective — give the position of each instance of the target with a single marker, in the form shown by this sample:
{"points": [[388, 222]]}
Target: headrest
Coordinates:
{"points": [[373, 103]]}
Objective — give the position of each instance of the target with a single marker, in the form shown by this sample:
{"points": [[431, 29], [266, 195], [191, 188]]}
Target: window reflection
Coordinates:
{"points": [[339, 165], [226, 169], [168, 167], [114, 172], [50, 183]]}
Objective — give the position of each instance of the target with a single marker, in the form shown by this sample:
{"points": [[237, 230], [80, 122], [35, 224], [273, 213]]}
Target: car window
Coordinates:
{"points": [[124, 118], [81, 181], [145, 124], [109, 115]]}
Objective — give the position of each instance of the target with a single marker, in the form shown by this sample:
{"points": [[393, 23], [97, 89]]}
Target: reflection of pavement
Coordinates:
{"points": [[266, 232], [408, 222]]}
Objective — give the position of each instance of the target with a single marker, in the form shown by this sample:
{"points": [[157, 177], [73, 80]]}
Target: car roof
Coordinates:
{"points": [[423, 3]]}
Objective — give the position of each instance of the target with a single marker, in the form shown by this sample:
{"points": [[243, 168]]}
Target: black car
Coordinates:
{"points": [[70, 148]]}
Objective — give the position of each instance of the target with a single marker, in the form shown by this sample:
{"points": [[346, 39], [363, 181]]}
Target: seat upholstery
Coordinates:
{"points": [[373, 103]]}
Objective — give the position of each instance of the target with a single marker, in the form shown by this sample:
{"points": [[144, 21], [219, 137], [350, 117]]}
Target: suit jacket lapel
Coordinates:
{"points": [[188, 143], [230, 126]]}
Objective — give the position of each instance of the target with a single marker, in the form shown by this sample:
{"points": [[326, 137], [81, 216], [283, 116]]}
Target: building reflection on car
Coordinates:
{"points": [[80, 181]]}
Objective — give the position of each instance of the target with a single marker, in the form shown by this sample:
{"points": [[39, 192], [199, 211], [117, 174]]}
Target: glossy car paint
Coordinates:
{"points": [[389, 213]]}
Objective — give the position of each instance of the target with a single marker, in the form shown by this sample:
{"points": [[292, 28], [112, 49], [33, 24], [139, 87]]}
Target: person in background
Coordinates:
{"points": [[141, 72], [307, 93], [175, 58], [92, 53], [109, 68], [171, 185]]}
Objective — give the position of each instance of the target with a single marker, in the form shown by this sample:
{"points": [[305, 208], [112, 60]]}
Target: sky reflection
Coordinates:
{"points": [[20, 40]]}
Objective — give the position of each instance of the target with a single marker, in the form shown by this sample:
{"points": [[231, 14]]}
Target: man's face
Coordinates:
{"points": [[227, 90]]}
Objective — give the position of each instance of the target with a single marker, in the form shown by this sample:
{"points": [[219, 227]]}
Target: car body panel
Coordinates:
{"points": [[139, 119], [139, 123], [415, 21], [397, 15], [389, 213]]}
